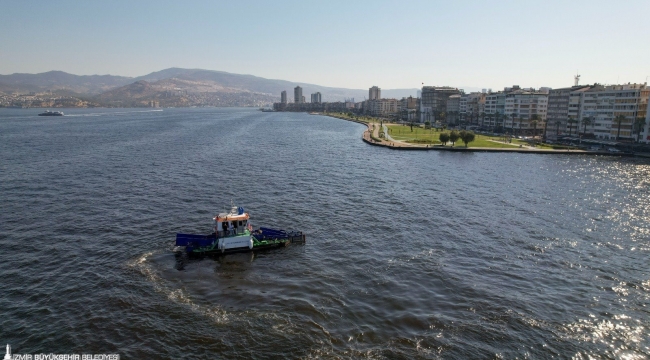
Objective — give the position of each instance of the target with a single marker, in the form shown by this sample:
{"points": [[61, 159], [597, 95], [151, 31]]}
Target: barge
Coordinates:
{"points": [[234, 233]]}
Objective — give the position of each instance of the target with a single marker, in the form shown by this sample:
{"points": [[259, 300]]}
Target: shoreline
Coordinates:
{"points": [[368, 138]]}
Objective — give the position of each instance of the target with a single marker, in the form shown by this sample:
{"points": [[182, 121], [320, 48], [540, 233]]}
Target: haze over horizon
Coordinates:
{"points": [[388, 44]]}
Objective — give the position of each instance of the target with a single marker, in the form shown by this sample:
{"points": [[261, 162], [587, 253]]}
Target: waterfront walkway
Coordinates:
{"points": [[371, 136]]}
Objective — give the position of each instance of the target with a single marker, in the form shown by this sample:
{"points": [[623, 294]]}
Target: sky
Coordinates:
{"points": [[351, 44]]}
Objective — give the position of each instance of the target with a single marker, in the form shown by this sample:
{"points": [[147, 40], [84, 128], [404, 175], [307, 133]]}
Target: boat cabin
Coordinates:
{"points": [[232, 224]]}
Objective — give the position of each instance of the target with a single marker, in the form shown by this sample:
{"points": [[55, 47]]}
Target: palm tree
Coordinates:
{"points": [[545, 129], [571, 121], [533, 120], [443, 117], [557, 130], [482, 116], [512, 124], [619, 120], [639, 123], [585, 121]]}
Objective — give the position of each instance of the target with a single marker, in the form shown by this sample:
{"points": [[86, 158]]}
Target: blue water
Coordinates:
{"points": [[408, 254]]}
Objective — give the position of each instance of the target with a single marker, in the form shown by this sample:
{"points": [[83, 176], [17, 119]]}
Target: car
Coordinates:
{"points": [[613, 150]]}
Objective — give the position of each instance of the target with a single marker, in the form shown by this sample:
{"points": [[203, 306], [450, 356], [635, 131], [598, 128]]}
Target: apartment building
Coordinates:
{"points": [[283, 97], [453, 109], [407, 108], [603, 104], [563, 112], [645, 136], [382, 107], [316, 98], [434, 102], [522, 106], [471, 106]]}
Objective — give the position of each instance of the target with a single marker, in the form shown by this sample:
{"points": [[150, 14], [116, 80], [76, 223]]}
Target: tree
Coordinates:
{"points": [[512, 124], [557, 129], [453, 137], [467, 137], [497, 118], [619, 119], [443, 116], [639, 123], [427, 124], [444, 138], [585, 121], [571, 121], [411, 123], [534, 119]]}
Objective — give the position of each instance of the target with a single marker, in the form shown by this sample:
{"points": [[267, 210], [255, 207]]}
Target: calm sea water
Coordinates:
{"points": [[409, 254]]}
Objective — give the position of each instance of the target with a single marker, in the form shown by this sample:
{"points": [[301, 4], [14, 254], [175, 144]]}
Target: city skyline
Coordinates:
{"points": [[480, 45]]}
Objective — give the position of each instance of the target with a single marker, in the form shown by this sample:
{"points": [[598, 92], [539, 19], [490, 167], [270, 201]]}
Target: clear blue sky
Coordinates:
{"points": [[353, 44]]}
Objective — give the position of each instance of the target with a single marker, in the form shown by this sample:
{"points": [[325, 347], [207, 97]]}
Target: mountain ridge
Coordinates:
{"points": [[96, 85]]}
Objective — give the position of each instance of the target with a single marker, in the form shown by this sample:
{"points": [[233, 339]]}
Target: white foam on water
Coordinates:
{"points": [[178, 296]]}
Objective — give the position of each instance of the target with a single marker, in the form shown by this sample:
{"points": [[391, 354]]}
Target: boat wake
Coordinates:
{"points": [[144, 266]]}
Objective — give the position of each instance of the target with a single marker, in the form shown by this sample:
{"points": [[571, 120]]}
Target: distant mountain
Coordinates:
{"points": [[269, 86], [188, 81], [179, 93], [59, 80]]}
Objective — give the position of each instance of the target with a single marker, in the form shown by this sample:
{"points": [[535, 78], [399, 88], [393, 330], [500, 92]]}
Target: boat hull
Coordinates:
{"points": [[262, 239]]}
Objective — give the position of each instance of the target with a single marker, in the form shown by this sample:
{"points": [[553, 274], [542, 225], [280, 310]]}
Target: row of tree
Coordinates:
{"points": [[465, 136], [638, 125], [500, 119]]}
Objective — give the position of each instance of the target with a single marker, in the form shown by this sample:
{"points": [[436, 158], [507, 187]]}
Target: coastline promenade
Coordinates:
{"points": [[371, 136]]}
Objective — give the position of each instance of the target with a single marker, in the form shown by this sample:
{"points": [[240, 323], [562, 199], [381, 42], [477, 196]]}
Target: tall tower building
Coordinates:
{"points": [[283, 97], [297, 95], [374, 93], [316, 98]]}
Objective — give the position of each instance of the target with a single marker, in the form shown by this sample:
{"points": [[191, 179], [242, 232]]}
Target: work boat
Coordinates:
{"points": [[234, 233]]}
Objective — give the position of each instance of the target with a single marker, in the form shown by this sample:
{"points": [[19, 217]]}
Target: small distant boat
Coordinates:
{"points": [[51, 113], [267, 110], [234, 233]]}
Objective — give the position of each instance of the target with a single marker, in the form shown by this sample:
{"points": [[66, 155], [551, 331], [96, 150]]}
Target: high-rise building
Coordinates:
{"points": [[297, 95], [283, 97], [316, 98], [374, 93]]}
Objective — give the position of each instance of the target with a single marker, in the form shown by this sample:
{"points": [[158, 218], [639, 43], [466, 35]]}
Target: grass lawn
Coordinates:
{"points": [[430, 136]]}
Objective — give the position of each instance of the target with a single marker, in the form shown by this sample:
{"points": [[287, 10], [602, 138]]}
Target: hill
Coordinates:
{"points": [[59, 80], [177, 86], [179, 93]]}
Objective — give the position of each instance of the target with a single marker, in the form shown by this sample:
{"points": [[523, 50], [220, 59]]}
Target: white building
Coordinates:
{"points": [[522, 107], [471, 106], [316, 98], [603, 104], [382, 107]]}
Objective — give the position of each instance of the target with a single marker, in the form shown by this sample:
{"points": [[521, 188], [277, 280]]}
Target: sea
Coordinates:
{"points": [[409, 254]]}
